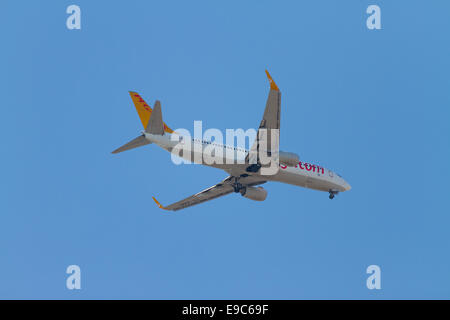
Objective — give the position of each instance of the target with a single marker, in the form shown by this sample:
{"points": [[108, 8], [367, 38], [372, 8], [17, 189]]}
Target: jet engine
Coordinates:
{"points": [[289, 159], [257, 194]]}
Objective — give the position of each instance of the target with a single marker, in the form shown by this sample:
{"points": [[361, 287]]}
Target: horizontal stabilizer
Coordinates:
{"points": [[155, 124], [137, 142]]}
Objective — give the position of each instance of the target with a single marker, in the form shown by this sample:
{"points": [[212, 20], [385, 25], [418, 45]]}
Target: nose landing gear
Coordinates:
{"points": [[332, 194]]}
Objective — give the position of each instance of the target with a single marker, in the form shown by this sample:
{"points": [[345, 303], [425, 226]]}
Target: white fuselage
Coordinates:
{"points": [[303, 174]]}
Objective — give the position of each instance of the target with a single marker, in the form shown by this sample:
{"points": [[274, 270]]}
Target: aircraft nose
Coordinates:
{"points": [[347, 187]]}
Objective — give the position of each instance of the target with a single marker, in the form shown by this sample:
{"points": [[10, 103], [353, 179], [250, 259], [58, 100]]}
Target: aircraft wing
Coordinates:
{"points": [[221, 189], [270, 120]]}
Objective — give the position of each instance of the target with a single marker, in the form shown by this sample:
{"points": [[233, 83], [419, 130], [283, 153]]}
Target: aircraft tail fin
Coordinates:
{"points": [[144, 111], [137, 142], [151, 120]]}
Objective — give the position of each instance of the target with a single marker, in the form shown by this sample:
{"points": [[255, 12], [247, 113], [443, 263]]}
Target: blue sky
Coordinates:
{"points": [[372, 105]]}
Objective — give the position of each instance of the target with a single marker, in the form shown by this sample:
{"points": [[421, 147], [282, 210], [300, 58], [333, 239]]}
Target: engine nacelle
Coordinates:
{"points": [[289, 159], [257, 194]]}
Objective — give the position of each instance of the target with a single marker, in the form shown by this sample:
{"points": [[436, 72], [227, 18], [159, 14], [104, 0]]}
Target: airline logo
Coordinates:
{"points": [[307, 166], [144, 104]]}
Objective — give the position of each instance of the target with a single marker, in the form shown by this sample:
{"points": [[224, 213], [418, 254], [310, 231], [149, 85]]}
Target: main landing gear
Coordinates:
{"points": [[237, 186], [332, 194], [253, 168]]}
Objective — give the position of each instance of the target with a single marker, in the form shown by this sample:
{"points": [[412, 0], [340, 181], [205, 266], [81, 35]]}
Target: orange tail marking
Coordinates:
{"points": [[144, 110]]}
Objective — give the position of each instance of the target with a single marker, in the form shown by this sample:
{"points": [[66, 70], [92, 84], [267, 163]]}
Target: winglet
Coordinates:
{"points": [[273, 85], [159, 204]]}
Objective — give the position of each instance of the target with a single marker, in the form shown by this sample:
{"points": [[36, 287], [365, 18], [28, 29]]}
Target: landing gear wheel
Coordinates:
{"points": [[237, 186], [253, 168], [332, 193]]}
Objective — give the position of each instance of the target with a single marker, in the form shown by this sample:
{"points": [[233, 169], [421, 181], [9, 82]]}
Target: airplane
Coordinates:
{"points": [[245, 177]]}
